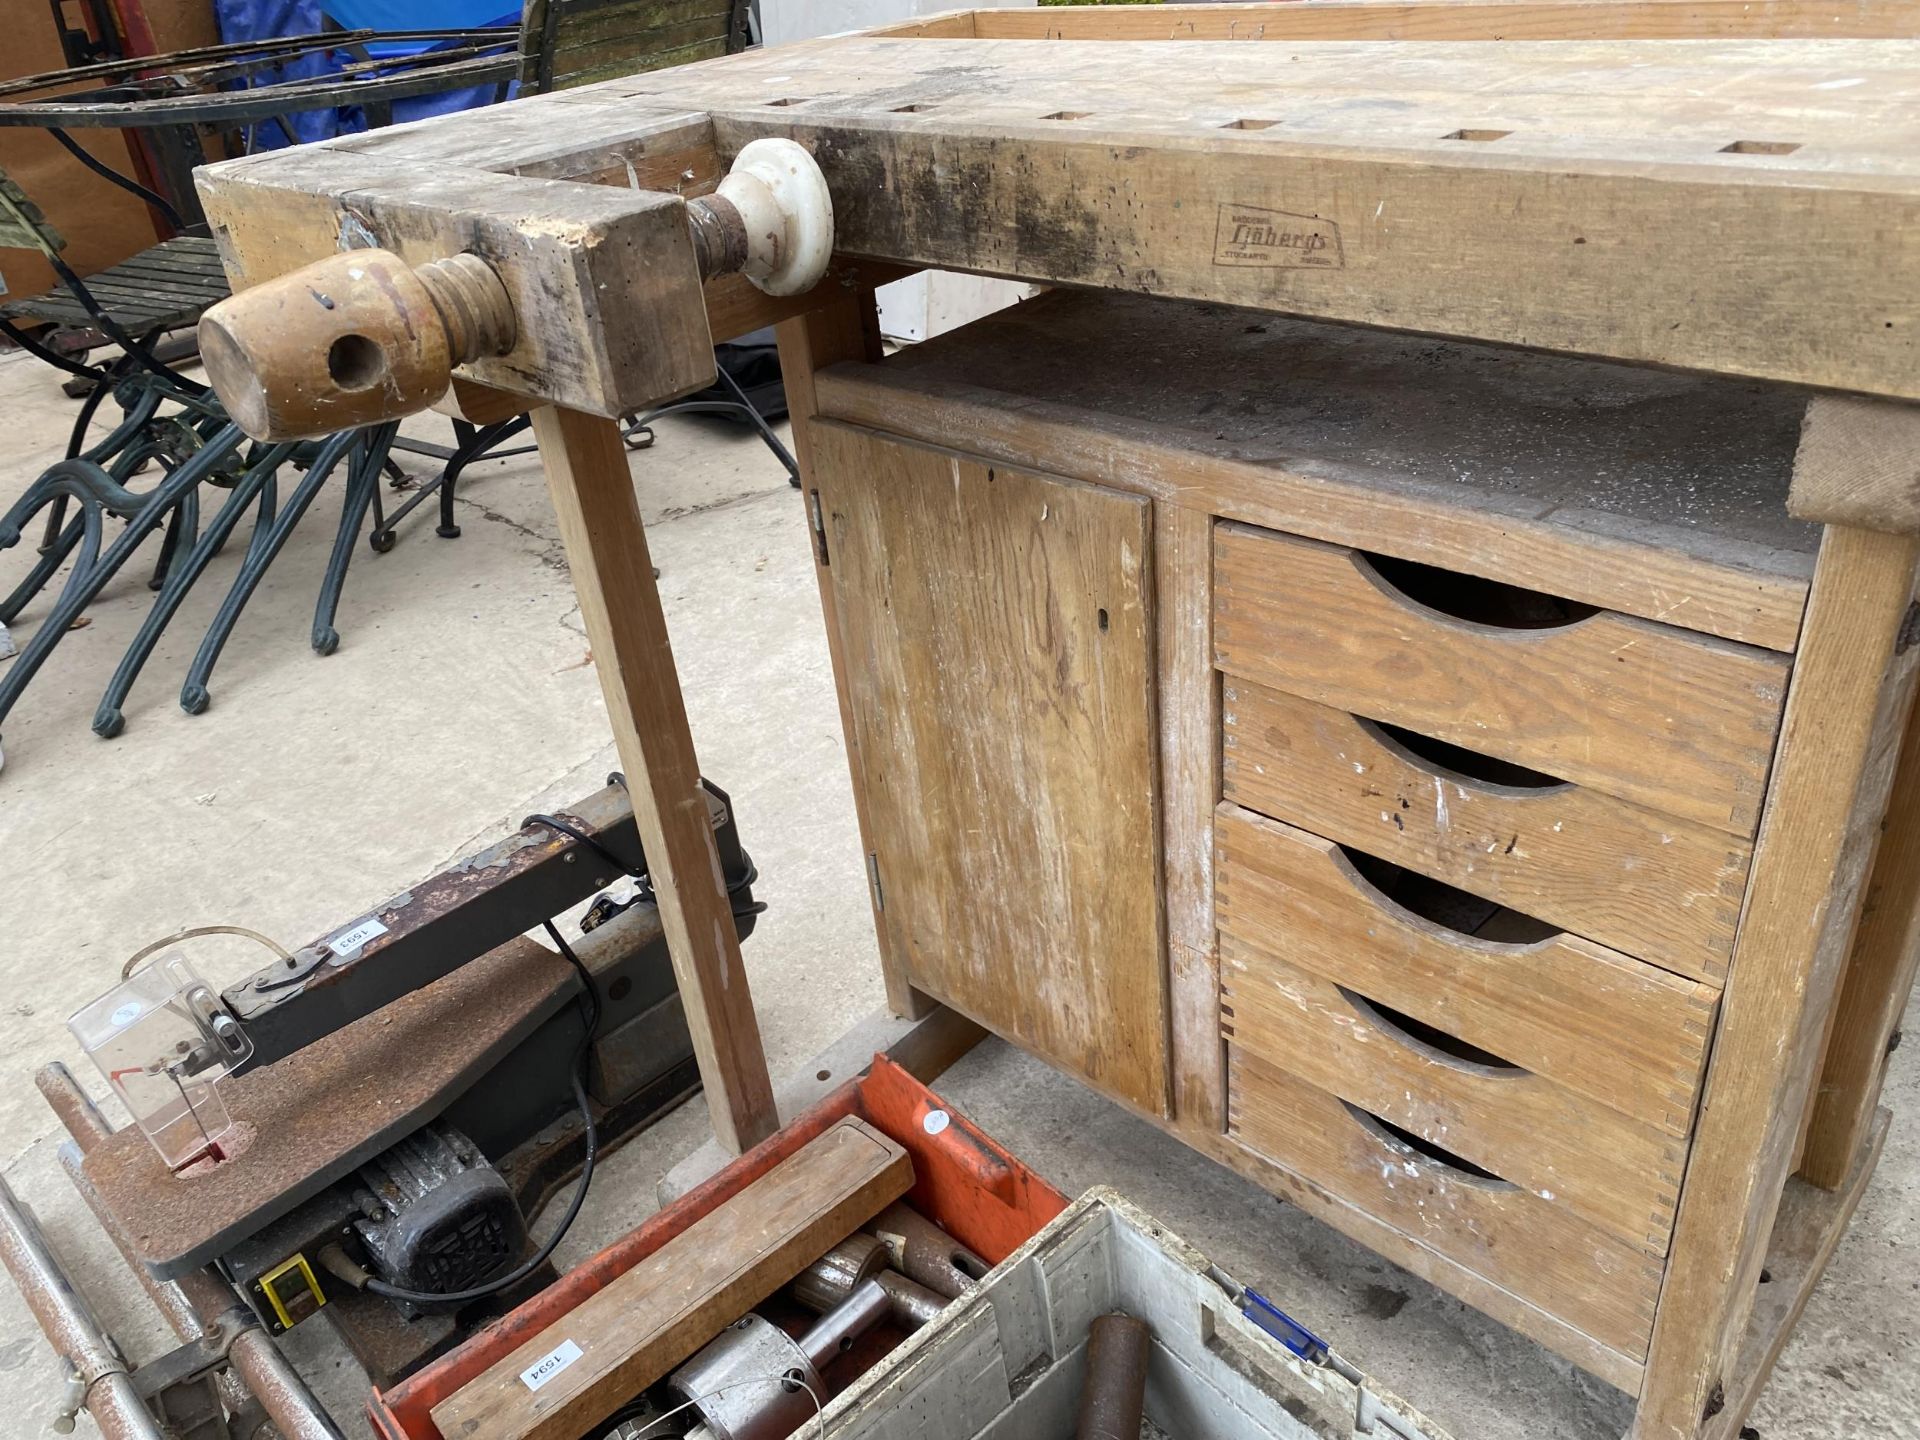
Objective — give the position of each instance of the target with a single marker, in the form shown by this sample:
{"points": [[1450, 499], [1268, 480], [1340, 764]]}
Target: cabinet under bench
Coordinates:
{"points": [[1382, 761]]}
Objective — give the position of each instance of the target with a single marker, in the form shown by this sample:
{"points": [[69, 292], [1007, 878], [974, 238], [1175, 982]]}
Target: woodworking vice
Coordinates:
{"points": [[365, 336], [393, 1102]]}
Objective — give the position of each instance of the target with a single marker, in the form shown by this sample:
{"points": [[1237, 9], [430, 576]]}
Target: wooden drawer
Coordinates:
{"points": [[1679, 722], [1614, 1172], [1657, 887], [1535, 1249], [1599, 1025]]}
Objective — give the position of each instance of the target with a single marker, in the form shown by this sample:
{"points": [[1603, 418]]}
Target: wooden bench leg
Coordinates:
{"points": [[846, 327], [1851, 688], [1873, 997], [586, 466], [1190, 789]]}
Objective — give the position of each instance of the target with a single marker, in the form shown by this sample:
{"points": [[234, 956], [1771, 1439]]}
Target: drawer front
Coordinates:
{"points": [[1657, 887], [1602, 1026], [1618, 1174], [1643, 711], [1534, 1248]]}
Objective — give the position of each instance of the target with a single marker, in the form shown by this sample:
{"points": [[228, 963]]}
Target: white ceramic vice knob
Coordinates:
{"points": [[783, 202]]}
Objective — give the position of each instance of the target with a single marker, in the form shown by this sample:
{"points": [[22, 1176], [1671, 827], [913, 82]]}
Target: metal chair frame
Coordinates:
{"points": [[194, 445]]}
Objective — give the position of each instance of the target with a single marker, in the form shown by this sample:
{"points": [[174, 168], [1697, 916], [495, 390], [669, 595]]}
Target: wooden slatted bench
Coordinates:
{"points": [[165, 287]]}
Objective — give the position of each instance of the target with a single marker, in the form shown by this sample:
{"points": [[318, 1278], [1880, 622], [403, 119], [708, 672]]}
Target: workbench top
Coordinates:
{"points": [[1743, 201]]}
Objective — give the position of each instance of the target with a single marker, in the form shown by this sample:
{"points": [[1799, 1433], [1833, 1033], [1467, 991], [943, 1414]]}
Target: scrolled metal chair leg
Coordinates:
{"points": [[363, 484], [93, 568], [269, 538], [44, 568], [109, 718], [182, 526]]}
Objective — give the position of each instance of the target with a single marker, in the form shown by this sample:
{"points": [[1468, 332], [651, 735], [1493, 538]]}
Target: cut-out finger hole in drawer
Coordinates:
{"points": [[1601, 1024], [1471, 598], [1447, 906], [1430, 1040], [1393, 1137], [1651, 885], [1536, 1249], [1619, 1173], [1456, 762], [1676, 721]]}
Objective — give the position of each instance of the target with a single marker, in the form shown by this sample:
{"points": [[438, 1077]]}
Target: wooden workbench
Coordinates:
{"points": [[1722, 188], [1442, 696]]}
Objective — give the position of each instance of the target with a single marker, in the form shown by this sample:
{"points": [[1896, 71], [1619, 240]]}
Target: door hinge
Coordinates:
{"points": [[817, 519], [873, 879]]}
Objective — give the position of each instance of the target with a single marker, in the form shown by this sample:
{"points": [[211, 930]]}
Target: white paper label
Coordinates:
{"points": [[549, 1365], [348, 941], [936, 1121]]}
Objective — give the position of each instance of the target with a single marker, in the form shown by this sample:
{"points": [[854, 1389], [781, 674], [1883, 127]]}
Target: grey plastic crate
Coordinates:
{"points": [[1005, 1362]]}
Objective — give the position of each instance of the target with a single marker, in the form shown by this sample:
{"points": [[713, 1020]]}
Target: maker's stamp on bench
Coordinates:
{"points": [[1246, 235]]}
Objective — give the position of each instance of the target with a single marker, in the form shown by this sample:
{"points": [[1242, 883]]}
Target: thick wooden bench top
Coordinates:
{"points": [[1741, 204]]}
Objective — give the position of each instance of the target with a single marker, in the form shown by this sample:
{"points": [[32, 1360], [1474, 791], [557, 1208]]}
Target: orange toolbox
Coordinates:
{"points": [[963, 1182]]}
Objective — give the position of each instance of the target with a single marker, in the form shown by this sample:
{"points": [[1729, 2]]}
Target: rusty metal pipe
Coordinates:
{"points": [[1113, 1398], [293, 1408], [168, 1297], [195, 1304], [117, 1409], [190, 1304], [835, 1276], [102, 1387], [73, 1105], [925, 1253], [173, 1299]]}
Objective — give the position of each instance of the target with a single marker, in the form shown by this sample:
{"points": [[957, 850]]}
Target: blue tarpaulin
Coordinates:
{"points": [[243, 20]]}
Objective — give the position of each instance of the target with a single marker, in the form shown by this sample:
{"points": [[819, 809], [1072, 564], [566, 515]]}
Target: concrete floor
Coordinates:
{"points": [[462, 698]]}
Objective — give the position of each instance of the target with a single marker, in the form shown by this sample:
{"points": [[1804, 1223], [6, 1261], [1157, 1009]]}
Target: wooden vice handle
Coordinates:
{"points": [[354, 339]]}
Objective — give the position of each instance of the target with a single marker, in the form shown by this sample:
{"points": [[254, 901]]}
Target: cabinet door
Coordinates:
{"points": [[997, 639]]}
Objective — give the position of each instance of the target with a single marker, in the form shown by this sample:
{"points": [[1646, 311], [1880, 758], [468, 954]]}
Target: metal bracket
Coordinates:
{"points": [[292, 970], [180, 1387], [182, 1365], [818, 522]]}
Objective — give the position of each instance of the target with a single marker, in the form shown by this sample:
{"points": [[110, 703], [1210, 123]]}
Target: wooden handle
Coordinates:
{"points": [[355, 339]]}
